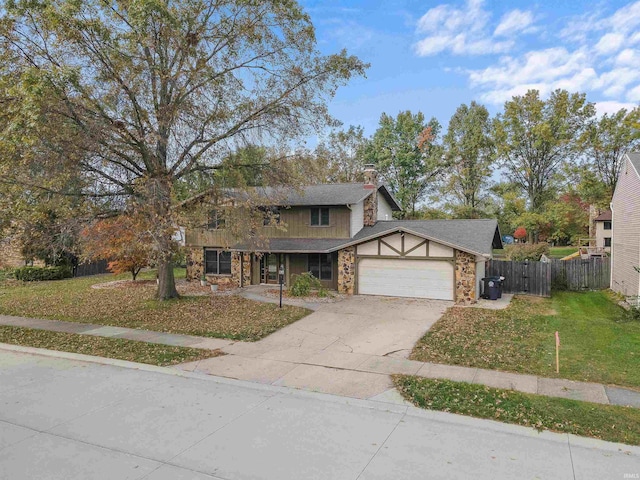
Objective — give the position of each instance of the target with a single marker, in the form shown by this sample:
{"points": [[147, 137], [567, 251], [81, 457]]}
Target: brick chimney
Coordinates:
{"points": [[371, 202]]}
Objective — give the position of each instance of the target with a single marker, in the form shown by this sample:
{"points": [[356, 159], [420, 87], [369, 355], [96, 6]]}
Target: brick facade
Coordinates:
{"points": [[465, 278], [347, 270]]}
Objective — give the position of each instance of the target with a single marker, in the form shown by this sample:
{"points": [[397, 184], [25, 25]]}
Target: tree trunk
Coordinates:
{"points": [[166, 280]]}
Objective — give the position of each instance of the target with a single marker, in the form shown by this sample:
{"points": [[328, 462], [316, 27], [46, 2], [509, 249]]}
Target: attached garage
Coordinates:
{"points": [[406, 278]]}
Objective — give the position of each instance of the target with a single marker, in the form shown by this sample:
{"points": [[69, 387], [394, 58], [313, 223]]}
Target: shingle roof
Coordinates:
{"points": [[326, 194], [604, 216], [474, 236], [634, 158]]}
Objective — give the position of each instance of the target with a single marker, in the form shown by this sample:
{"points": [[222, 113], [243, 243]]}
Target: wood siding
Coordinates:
{"points": [[298, 264], [295, 223], [626, 232]]}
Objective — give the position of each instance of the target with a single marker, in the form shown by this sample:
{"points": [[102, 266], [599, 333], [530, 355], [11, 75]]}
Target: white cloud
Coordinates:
{"points": [[609, 43], [612, 107], [465, 30], [513, 22], [600, 56]]}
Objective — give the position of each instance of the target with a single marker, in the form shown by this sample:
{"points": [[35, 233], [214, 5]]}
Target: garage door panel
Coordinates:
{"points": [[405, 278]]}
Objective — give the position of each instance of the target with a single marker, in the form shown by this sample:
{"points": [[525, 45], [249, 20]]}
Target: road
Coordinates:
{"points": [[61, 418]]}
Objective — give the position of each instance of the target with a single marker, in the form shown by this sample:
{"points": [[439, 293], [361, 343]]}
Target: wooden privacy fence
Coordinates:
{"points": [[93, 268], [533, 278], [537, 278]]}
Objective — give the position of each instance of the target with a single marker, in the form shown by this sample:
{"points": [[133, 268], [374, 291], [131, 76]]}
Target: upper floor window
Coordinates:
{"points": [[215, 220], [607, 241], [319, 217], [607, 225], [271, 216], [217, 262]]}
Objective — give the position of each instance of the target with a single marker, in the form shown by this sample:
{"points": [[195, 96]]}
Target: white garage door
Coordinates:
{"points": [[405, 278]]}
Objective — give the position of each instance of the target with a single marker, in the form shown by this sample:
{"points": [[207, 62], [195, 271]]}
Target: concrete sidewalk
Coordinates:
{"points": [[62, 418], [148, 336], [311, 362]]}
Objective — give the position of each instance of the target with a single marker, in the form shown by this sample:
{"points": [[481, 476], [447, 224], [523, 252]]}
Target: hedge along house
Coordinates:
{"points": [[345, 235]]}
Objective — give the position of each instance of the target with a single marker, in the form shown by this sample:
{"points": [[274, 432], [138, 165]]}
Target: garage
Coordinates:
{"points": [[404, 277]]}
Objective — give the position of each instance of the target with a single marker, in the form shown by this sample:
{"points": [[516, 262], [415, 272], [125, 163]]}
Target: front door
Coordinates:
{"points": [[269, 265]]}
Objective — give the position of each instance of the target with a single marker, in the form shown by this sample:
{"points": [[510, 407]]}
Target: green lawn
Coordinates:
{"points": [[561, 252], [598, 342], [119, 348], [606, 422], [134, 306]]}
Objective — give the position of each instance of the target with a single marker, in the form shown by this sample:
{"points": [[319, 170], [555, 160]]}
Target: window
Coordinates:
{"points": [[607, 225], [607, 241], [319, 217], [321, 266], [217, 262], [215, 220], [271, 216]]}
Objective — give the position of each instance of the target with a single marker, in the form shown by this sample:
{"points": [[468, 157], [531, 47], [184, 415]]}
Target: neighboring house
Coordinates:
{"points": [[345, 235], [11, 252], [625, 222], [603, 231]]}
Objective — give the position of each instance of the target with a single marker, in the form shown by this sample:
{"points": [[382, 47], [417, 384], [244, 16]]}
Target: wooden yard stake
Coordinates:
{"points": [[557, 352]]}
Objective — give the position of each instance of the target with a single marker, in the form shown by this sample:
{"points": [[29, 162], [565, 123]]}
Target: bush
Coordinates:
{"points": [[519, 252], [303, 284], [38, 274]]}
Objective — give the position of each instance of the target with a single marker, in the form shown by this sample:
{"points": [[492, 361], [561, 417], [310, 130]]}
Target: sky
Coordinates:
{"points": [[433, 56]]}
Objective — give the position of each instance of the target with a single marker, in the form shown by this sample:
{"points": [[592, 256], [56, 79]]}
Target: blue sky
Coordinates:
{"points": [[432, 56]]}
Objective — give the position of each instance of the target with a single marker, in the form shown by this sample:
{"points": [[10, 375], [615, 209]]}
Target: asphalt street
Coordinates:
{"points": [[63, 418]]}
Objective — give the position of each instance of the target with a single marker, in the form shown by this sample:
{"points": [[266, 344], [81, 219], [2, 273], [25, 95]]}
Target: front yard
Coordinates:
{"points": [[133, 306], [598, 343], [606, 422]]}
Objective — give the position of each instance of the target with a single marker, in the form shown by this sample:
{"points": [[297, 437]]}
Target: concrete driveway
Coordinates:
{"points": [[345, 348]]}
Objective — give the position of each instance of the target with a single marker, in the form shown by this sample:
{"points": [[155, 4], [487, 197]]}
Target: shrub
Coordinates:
{"points": [[520, 252], [303, 284], [38, 274]]}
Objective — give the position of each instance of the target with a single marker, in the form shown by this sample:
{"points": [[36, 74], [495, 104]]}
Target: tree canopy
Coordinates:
{"points": [[154, 91]]}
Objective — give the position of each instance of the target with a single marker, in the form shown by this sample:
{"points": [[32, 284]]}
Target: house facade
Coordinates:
{"points": [[603, 229], [625, 223], [345, 235]]}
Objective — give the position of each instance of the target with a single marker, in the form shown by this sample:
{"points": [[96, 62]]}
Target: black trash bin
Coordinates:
{"points": [[491, 287], [499, 281]]}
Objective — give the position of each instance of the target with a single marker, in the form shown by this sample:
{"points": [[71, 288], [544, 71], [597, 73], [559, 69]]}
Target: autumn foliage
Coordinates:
{"points": [[123, 241], [520, 233]]}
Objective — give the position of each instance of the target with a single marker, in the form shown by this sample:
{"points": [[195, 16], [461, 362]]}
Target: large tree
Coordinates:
{"points": [[536, 137], [158, 90], [606, 140], [469, 150], [405, 151], [343, 152]]}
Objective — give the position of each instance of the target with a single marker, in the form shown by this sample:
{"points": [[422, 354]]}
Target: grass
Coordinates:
{"points": [[606, 422], [561, 252], [598, 343], [122, 349], [74, 300]]}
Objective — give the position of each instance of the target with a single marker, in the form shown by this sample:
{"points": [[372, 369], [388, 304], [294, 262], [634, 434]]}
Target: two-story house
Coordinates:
{"points": [[345, 235], [603, 231]]}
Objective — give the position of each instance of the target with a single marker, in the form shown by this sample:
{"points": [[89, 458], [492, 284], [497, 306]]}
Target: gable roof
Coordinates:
{"points": [[603, 217], [473, 236], [326, 194]]}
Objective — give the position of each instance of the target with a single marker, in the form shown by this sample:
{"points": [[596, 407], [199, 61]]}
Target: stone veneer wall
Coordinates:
{"points": [[465, 278], [370, 209], [195, 263], [347, 270], [195, 269]]}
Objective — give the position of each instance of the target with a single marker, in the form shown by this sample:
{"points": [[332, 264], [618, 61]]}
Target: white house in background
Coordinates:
{"points": [[603, 231], [625, 223]]}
